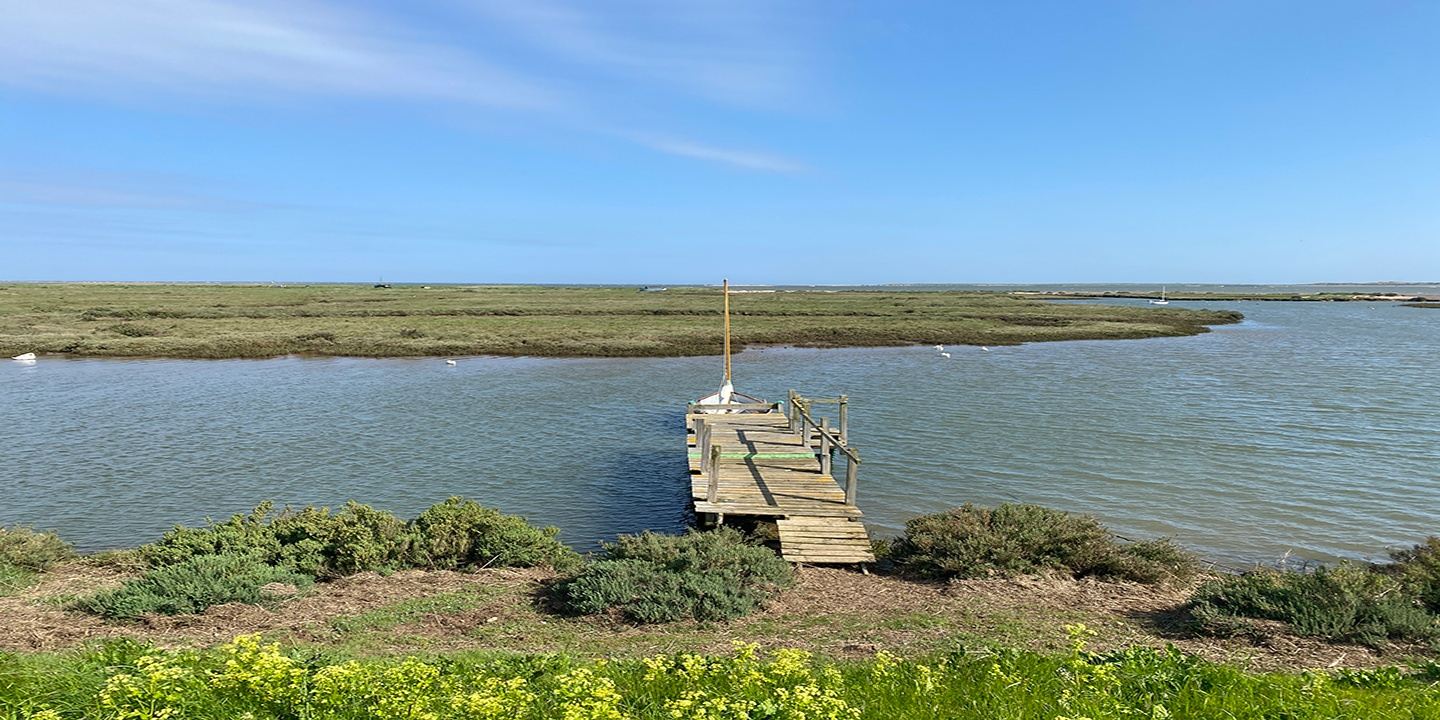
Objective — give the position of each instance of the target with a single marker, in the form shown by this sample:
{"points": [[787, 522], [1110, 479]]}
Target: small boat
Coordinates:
{"points": [[726, 395], [1162, 300], [25, 357]]}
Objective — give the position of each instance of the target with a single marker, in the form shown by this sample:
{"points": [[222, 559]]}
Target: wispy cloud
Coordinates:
{"points": [[544, 58], [224, 47], [734, 51], [726, 156]]}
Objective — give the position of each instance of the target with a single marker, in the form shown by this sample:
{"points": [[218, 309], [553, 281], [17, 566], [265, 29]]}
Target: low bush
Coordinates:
{"points": [[1418, 569], [294, 546], [192, 586], [27, 549], [1009, 540], [240, 535], [651, 578], [455, 534], [461, 533], [1344, 602], [329, 545]]}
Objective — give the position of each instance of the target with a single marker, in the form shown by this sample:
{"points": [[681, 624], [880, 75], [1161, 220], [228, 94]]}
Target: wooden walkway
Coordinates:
{"points": [[777, 465]]}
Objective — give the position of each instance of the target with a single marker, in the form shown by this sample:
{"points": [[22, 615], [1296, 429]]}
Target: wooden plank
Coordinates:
{"points": [[772, 510], [802, 538], [813, 558], [830, 560], [824, 542], [821, 548]]}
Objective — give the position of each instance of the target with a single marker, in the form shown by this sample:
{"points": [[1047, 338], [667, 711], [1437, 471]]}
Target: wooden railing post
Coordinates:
{"points": [[825, 458], [852, 469], [844, 420], [712, 493]]}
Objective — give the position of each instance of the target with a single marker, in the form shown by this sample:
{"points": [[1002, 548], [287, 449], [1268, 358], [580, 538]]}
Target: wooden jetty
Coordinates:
{"points": [[753, 459]]}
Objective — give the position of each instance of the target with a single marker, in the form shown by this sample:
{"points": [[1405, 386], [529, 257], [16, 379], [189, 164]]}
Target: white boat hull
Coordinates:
{"points": [[25, 357]]}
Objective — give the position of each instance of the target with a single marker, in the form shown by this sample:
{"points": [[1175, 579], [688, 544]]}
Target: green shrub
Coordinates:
{"points": [[1418, 569], [1150, 561], [240, 535], [28, 549], [1009, 540], [1344, 602], [652, 578], [309, 540], [461, 533], [356, 539], [191, 586]]}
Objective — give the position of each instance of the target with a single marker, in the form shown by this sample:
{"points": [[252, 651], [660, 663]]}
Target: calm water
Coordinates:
{"points": [[1310, 429]]}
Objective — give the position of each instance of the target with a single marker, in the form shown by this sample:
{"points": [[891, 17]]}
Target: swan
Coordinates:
{"points": [[941, 348], [450, 362], [944, 354], [986, 349]]}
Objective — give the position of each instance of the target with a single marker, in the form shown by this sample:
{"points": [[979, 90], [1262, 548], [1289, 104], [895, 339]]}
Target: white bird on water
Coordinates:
{"points": [[941, 348], [944, 354], [986, 349], [449, 362]]}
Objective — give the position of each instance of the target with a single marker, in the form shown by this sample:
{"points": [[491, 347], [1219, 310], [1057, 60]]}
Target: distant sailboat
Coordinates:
{"points": [[1162, 300], [25, 357]]}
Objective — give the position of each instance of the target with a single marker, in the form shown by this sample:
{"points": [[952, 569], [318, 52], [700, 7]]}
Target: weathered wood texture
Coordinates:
{"points": [[759, 465]]}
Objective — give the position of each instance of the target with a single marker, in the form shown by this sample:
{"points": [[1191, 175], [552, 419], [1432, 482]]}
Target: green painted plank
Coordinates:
{"points": [[761, 456]]}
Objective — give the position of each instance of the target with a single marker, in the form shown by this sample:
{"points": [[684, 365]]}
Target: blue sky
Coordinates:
{"points": [[680, 141]]}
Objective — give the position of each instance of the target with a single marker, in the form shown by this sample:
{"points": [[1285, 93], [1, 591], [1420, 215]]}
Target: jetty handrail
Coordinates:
{"points": [[802, 406]]}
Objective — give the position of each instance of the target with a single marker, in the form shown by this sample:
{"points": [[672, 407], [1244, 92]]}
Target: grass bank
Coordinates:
{"points": [[462, 611], [462, 577], [251, 321], [250, 678]]}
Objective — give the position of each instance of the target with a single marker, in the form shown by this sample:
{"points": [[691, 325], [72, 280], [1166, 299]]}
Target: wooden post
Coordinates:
{"points": [[825, 458], [713, 492], [844, 420], [709, 442], [790, 413], [851, 471], [804, 432]]}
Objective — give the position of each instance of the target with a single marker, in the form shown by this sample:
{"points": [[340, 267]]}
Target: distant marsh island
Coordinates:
{"points": [[257, 321]]}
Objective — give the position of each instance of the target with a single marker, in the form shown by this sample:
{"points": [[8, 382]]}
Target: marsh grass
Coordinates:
{"points": [[234, 321]]}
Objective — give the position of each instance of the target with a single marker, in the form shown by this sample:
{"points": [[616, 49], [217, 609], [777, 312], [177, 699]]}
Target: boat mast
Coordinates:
{"points": [[725, 288]]}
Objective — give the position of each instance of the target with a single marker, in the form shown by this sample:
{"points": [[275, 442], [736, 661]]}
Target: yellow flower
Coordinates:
{"points": [[496, 699]]}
